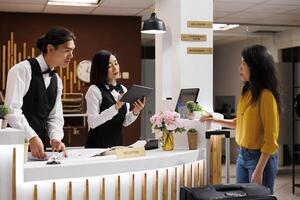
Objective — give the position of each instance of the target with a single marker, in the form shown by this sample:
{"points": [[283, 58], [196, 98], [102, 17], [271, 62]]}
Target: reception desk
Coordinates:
{"points": [[157, 175]]}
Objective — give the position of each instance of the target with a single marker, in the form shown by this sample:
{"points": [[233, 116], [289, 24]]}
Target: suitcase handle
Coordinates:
{"points": [[228, 187], [209, 133]]}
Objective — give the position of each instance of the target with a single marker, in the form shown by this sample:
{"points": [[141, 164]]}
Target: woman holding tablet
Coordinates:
{"points": [[106, 113]]}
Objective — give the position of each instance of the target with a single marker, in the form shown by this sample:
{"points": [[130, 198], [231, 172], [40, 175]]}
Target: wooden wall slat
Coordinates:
{"points": [[174, 184], [165, 184], [102, 189], [70, 195], [155, 186], [35, 192], [53, 197]]}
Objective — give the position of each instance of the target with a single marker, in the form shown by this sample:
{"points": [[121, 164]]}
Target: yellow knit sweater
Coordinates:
{"points": [[257, 125]]}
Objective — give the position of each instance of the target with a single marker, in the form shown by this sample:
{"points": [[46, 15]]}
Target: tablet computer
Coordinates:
{"points": [[136, 92], [188, 94]]}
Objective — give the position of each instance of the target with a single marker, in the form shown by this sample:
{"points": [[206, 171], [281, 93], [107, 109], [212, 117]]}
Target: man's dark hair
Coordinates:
{"points": [[55, 36]]}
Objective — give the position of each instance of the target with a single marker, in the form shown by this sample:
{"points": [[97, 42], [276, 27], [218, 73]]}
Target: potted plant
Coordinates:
{"points": [[167, 123], [192, 138], [190, 105], [194, 110], [3, 113]]}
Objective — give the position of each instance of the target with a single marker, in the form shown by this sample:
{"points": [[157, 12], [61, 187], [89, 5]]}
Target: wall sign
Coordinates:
{"points": [[199, 50], [199, 24], [193, 37]]}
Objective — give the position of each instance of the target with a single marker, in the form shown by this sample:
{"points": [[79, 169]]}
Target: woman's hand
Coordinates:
{"points": [[138, 106], [257, 177], [119, 103], [207, 117]]}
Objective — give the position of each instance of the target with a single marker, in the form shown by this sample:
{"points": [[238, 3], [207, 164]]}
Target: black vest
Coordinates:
{"points": [[108, 134], [39, 100]]}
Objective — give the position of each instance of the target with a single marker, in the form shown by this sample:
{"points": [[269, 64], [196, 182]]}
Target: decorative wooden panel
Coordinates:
{"points": [[215, 159], [12, 53]]}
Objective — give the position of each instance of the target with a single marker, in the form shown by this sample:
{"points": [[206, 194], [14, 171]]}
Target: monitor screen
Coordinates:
{"points": [[189, 94]]}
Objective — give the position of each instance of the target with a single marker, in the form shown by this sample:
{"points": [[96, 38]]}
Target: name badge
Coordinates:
{"points": [[130, 152]]}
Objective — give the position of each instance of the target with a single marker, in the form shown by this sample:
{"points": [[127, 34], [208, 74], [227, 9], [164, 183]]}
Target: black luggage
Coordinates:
{"points": [[246, 191]]}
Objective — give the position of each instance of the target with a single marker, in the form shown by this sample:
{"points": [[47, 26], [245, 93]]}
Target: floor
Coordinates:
{"points": [[283, 183]]}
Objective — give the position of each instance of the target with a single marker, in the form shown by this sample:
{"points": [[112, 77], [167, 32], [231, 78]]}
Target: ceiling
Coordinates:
{"points": [[262, 15], [260, 18], [106, 7]]}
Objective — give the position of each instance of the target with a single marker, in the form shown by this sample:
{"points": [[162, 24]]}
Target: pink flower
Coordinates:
{"points": [[171, 127], [156, 120], [166, 120]]}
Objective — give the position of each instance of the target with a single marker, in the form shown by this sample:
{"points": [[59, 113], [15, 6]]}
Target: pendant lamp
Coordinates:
{"points": [[153, 25]]}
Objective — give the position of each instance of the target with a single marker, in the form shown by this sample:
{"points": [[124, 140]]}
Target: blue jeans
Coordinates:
{"points": [[246, 163]]}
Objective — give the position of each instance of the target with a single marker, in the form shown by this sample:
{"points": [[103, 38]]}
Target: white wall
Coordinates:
{"points": [[226, 61], [148, 79], [175, 69], [226, 75]]}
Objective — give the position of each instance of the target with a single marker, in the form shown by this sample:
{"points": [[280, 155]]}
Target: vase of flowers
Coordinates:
{"points": [[167, 122]]}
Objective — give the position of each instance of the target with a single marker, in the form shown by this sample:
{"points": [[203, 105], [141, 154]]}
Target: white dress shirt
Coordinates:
{"points": [[93, 101], [18, 82]]}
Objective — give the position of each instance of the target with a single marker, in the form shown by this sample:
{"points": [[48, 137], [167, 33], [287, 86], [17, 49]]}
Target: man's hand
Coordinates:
{"points": [[58, 146], [37, 147]]}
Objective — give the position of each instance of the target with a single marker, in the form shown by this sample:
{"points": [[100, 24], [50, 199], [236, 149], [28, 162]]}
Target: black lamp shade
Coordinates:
{"points": [[153, 25]]}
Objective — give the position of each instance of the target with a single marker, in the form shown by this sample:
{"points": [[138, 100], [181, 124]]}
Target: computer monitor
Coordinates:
{"points": [[189, 94]]}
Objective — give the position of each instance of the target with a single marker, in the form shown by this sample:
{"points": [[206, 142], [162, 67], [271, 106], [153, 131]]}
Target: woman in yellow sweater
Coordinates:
{"points": [[257, 121]]}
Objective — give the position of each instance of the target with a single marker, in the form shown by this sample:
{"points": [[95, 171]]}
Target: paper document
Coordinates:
{"points": [[83, 153], [60, 155], [112, 150], [139, 143]]}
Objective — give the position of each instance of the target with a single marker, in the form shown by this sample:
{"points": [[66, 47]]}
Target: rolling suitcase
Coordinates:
{"points": [[245, 191]]}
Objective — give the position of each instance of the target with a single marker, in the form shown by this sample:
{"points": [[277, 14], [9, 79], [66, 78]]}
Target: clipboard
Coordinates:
{"points": [[136, 92]]}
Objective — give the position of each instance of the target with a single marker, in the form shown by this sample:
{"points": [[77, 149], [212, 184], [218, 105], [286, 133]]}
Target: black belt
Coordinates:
{"points": [[243, 148]]}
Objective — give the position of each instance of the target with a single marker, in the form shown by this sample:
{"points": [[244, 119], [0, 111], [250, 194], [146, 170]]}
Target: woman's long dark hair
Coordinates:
{"points": [[262, 73], [55, 36], [99, 69]]}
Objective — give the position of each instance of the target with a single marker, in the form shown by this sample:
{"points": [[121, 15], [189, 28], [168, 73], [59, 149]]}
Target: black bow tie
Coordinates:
{"points": [[50, 72], [117, 87]]}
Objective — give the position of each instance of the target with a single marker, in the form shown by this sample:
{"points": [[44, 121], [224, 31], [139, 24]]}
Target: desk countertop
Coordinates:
{"points": [[105, 165]]}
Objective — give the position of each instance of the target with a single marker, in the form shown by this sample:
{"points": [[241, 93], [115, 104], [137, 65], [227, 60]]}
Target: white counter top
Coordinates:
{"points": [[11, 136], [105, 165]]}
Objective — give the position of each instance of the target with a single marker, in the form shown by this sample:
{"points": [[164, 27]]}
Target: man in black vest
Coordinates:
{"points": [[33, 92]]}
